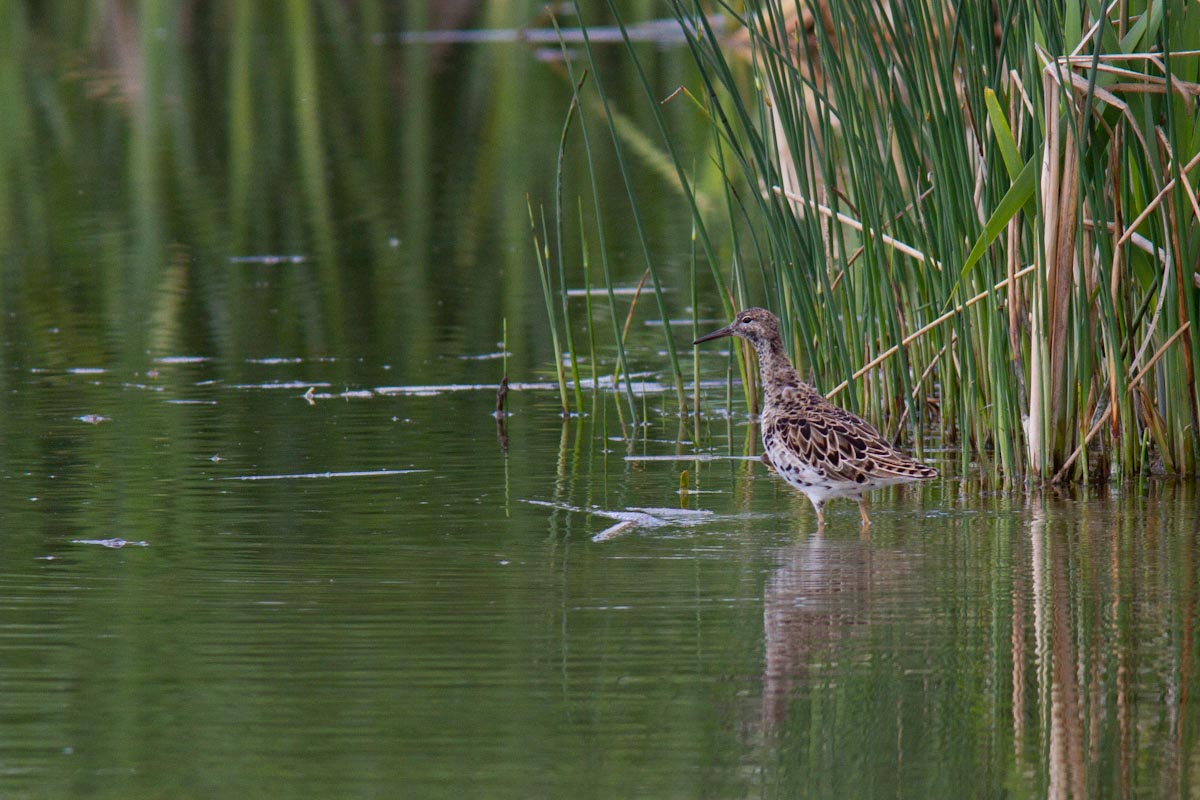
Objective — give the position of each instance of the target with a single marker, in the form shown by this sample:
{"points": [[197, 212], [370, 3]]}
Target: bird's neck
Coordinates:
{"points": [[775, 367]]}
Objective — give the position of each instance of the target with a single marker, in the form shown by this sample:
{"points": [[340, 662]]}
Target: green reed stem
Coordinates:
{"points": [[694, 285], [676, 371], [587, 300], [542, 251], [561, 255], [601, 239]]}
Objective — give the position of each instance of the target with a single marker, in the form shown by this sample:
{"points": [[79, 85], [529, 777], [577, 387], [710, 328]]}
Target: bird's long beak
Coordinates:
{"points": [[726, 331]]}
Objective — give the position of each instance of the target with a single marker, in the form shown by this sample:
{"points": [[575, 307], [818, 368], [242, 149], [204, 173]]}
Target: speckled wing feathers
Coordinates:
{"points": [[834, 444]]}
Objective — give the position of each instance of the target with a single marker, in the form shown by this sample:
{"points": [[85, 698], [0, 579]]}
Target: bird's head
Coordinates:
{"points": [[754, 324]]}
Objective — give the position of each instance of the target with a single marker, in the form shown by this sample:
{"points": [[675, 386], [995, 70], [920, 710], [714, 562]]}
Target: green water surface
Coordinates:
{"points": [[262, 536]]}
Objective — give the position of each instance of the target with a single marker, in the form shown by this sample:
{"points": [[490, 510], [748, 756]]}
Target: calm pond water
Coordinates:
{"points": [[260, 541]]}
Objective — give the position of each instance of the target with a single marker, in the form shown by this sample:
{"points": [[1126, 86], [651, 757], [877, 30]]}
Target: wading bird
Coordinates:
{"points": [[820, 449]]}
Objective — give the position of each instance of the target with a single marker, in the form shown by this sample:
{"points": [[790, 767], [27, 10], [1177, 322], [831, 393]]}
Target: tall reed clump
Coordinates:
{"points": [[982, 215]]}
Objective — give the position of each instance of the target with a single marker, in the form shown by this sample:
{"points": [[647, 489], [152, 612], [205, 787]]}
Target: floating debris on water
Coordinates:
{"points": [[614, 531], [279, 385], [94, 419], [639, 517], [632, 518], [443, 388], [308, 475], [312, 395], [485, 356], [675, 514], [275, 360], [268, 259], [182, 359], [639, 386], [619, 291], [113, 544]]}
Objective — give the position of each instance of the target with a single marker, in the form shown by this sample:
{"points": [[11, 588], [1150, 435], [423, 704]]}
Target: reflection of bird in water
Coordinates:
{"points": [[812, 600], [820, 449], [824, 595]]}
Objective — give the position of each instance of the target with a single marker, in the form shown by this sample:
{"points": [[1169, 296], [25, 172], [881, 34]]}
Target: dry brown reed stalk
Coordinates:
{"points": [[1060, 202], [1068, 85], [1134, 383], [851, 222], [637, 293]]}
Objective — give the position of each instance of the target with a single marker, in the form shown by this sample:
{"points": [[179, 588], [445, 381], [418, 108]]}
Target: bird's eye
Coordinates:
{"points": [[746, 320]]}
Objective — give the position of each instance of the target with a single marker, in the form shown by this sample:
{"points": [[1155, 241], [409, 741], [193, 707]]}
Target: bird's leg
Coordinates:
{"points": [[862, 509], [820, 507]]}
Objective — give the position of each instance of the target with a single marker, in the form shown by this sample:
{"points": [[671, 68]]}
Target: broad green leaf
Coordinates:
{"points": [[1133, 37], [1018, 195], [1007, 144], [1072, 25], [1003, 134]]}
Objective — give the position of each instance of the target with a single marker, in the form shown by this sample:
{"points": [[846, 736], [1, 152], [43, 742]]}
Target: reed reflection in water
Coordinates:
{"points": [[1057, 661]]}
